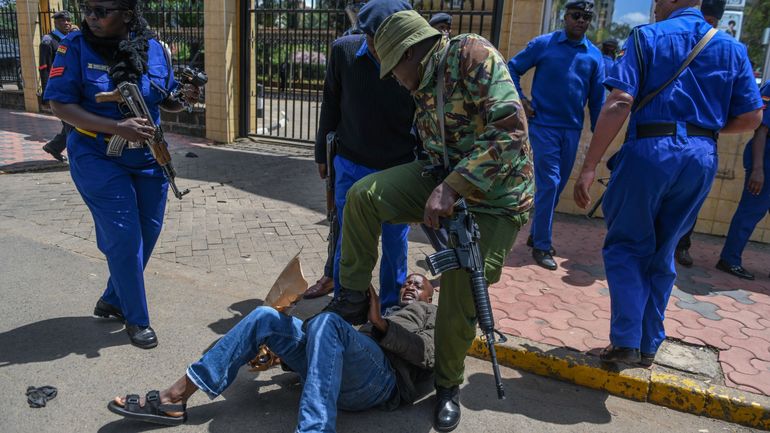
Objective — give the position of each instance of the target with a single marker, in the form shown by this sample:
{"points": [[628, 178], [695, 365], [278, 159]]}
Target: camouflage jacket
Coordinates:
{"points": [[485, 126]]}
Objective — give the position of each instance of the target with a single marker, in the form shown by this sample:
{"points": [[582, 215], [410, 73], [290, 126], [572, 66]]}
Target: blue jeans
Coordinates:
{"points": [[330, 351], [394, 236], [554, 151]]}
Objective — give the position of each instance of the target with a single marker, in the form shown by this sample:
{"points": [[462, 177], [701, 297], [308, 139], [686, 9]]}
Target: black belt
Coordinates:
{"points": [[669, 130]]}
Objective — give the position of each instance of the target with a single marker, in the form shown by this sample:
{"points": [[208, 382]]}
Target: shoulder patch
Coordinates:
{"points": [[56, 72], [62, 49]]}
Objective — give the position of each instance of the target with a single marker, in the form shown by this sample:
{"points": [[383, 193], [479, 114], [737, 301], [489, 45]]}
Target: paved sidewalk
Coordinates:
{"points": [[250, 211]]}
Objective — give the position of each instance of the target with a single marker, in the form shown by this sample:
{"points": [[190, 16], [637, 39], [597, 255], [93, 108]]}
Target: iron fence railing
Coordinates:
{"points": [[284, 48], [10, 59], [177, 23]]}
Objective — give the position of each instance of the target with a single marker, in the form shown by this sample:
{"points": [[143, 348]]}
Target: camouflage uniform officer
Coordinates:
{"points": [[491, 161]]}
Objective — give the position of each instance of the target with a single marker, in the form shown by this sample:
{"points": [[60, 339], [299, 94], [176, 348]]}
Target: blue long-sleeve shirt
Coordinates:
{"points": [[567, 75]]}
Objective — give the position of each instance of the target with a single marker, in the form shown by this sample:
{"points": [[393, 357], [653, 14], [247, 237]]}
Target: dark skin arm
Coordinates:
{"points": [[132, 129], [757, 179], [614, 112], [440, 204], [190, 94]]}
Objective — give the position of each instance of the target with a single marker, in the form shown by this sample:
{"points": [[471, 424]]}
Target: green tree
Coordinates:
{"points": [[756, 17]]}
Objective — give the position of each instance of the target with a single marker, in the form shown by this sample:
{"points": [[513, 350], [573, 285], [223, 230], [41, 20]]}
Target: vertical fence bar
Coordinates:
{"points": [[245, 73]]}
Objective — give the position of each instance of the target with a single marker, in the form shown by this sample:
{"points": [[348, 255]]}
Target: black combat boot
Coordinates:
{"points": [[351, 305], [446, 414]]}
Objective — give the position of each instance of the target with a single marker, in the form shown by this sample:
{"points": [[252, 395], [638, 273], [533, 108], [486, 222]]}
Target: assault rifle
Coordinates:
{"points": [[130, 95], [462, 252], [331, 205]]}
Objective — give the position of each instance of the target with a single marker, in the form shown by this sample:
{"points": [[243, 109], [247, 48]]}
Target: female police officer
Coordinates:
{"points": [[126, 194]]}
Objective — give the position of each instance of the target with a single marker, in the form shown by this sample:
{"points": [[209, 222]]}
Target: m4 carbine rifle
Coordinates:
{"points": [[462, 252], [130, 95]]}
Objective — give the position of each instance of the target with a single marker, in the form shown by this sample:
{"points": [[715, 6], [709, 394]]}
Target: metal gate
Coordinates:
{"points": [[10, 59], [285, 45]]}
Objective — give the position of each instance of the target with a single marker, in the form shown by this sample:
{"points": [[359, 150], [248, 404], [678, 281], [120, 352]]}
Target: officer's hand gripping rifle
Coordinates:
{"points": [[129, 94], [192, 76], [463, 253]]}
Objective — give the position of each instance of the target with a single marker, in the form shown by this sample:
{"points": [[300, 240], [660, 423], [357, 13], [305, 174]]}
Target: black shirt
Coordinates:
{"points": [[373, 118]]}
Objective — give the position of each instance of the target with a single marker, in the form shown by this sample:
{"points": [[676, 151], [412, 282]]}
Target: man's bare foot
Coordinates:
{"points": [[321, 287], [178, 393]]}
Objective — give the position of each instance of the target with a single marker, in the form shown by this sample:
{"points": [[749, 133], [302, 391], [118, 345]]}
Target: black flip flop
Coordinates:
{"points": [[152, 411]]}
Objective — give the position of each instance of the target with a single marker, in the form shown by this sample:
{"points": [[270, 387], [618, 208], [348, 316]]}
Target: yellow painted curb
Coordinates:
{"points": [[676, 392]]}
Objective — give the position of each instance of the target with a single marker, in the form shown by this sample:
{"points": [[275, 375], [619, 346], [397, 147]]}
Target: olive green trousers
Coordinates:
{"points": [[398, 195]]}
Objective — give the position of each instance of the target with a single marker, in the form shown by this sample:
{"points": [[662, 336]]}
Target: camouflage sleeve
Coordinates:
{"points": [[484, 74]]}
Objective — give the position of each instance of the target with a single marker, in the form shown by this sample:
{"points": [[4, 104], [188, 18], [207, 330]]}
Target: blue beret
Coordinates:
{"points": [[713, 8], [583, 5], [440, 17], [374, 12]]}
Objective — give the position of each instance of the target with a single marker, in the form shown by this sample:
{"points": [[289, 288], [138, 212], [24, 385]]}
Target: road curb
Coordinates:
{"points": [[664, 388]]}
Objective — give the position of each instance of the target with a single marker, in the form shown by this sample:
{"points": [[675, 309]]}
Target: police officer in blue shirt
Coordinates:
{"points": [[609, 51], [569, 71], [664, 170], [125, 194], [755, 201]]}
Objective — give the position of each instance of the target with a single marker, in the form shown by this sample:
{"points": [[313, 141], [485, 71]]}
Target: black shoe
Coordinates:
{"points": [[682, 257], [531, 244], [544, 259], [142, 336], [646, 359], [737, 270], [446, 414], [351, 305], [53, 152], [620, 354], [103, 309]]}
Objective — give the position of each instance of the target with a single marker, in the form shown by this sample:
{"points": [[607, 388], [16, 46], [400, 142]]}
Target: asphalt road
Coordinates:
{"points": [[48, 337]]}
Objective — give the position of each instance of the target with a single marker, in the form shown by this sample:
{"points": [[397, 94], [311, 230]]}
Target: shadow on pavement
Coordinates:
{"points": [[33, 127], [536, 398], [53, 339], [34, 165]]}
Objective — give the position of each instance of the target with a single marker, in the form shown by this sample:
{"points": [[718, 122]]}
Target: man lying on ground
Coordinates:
{"points": [[383, 364]]}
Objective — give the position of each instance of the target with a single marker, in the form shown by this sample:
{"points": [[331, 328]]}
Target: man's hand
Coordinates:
{"points": [[583, 185], [756, 181], [134, 129], [375, 316], [440, 204], [322, 170], [528, 110]]}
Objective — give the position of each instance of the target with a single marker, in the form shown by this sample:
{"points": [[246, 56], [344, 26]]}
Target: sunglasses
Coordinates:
{"points": [[587, 16], [99, 11]]}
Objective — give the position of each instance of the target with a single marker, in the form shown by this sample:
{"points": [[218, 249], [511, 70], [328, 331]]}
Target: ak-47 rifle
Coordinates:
{"points": [[130, 95], [462, 252]]}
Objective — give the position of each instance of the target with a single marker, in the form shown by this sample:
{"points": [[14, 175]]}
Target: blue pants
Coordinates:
{"points": [[751, 210], [393, 265], [554, 151], [127, 199], [330, 351], [655, 192]]}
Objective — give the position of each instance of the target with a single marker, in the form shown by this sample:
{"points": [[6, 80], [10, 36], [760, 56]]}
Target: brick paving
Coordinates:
{"points": [[255, 205]]}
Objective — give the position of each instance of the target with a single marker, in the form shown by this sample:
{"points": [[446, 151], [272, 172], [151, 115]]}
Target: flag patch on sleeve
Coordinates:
{"points": [[62, 49], [56, 72]]}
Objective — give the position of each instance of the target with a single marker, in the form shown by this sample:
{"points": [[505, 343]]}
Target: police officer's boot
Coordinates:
{"points": [[544, 258], [446, 414], [351, 305], [682, 256], [142, 336]]}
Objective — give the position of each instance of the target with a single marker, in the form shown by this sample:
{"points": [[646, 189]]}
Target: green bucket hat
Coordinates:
{"points": [[396, 34]]}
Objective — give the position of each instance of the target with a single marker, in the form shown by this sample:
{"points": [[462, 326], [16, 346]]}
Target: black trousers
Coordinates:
{"points": [[686, 241], [59, 142]]}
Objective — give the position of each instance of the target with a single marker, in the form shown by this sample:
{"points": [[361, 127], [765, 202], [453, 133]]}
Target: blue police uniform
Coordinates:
{"points": [[752, 208], [568, 74], [126, 194], [609, 62], [660, 179]]}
